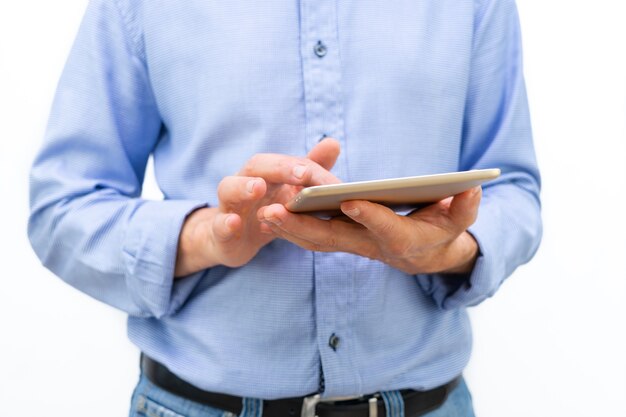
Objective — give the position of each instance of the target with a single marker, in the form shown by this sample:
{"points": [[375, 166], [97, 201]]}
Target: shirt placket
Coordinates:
{"points": [[333, 272]]}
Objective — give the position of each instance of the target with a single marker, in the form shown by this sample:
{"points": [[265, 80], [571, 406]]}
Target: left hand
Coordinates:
{"points": [[430, 240]]}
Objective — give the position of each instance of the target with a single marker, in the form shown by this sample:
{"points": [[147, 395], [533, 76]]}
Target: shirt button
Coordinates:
{"points": [[333, 342], [320, 49]]}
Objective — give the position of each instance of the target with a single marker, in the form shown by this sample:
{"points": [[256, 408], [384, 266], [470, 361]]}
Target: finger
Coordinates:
{"points": [[400, 235], [234, 190], [297, 240], [380, 220], [452, 215], [265, 229], [325, 153], [226, 226], [313, 233], [284, 169], [464, 208]]}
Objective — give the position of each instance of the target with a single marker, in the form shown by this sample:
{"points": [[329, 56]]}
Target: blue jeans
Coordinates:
{"points": [[151, 401]]}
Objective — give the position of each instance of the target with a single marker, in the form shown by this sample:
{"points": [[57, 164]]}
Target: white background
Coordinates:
{"points": [[551, 343]]}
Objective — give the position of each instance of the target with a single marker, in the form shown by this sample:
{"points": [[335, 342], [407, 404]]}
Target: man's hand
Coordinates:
{"points": [[231, 234], [433, 239]]}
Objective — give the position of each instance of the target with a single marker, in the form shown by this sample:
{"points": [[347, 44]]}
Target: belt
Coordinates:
{"points": [[416, 403]]}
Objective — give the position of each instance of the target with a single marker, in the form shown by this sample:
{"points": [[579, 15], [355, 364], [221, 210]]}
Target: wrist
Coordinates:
{"points": [[194, 251]]}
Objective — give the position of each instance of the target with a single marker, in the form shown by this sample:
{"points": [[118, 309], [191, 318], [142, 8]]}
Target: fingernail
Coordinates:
{"points": [[250, 186], [353, 212], [273, 220], [299, 170]]}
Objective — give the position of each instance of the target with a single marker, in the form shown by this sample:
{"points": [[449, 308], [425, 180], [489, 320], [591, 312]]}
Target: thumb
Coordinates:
{"points": [[325, 153], [464, 207]]}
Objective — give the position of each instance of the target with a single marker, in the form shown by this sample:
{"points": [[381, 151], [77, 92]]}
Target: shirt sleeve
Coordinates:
{"points": [[497, 134], [88, 223]]}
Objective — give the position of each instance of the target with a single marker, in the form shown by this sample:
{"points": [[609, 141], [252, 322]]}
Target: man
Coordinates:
{"points": [[238, 305]]}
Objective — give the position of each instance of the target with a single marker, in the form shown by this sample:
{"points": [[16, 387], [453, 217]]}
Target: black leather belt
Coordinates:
{"points": [[416, 403]]}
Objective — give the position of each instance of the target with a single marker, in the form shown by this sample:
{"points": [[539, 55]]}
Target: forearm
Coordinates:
{"points": [[108, 246]]}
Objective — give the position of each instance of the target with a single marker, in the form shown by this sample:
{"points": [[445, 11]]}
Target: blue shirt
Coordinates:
{"points": [[407, 87]]}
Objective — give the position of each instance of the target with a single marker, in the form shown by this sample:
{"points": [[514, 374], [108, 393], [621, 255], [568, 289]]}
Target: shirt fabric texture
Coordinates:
{"points": [[406, 87]]}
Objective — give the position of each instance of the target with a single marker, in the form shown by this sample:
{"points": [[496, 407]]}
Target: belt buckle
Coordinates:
{"points": [[310, 403]]}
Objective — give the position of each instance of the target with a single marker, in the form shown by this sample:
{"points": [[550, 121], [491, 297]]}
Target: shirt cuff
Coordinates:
{"points": [[150, 249], [457, 291]]}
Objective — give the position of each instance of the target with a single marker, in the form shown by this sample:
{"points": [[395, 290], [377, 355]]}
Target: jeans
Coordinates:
{"points": [[151, 401]]}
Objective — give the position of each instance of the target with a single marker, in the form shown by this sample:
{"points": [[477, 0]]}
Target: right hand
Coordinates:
{"points": [[231, 234]]}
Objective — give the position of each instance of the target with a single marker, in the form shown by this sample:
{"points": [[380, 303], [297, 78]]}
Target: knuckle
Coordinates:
{"points": [[252, 163], [331, 242], [256, 159], [232, 189], [223, 186], [280, 168], [221, 233]]}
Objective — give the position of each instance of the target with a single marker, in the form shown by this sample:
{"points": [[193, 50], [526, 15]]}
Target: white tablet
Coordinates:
{"points": [[397, 193]]}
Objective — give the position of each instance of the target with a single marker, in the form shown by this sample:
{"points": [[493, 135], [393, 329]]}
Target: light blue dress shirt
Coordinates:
{"points": [[407, 87]]}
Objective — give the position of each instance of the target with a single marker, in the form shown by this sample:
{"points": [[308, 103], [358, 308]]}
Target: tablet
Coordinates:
{"points": [[397, 193]]}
